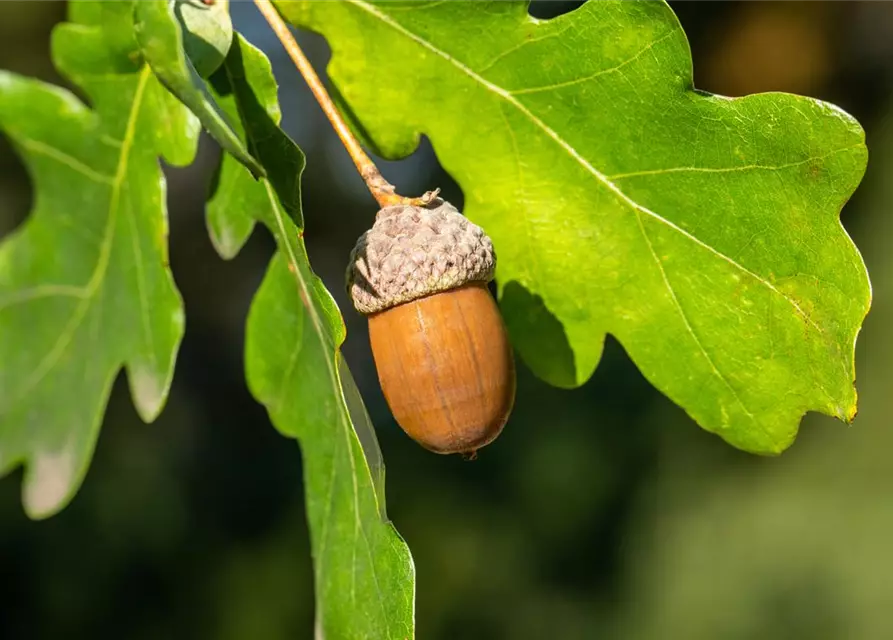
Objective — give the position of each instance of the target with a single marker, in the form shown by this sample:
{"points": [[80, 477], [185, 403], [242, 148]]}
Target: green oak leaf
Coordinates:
{"points": [[364, 574], [84, 283], [207, 33], [703, 232], [160, 38]]}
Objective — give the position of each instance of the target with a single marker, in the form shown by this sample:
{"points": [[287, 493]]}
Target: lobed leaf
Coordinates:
{"points": [[207, 33], [703, 232], [160, 38], [84, 283], [363, 571]]}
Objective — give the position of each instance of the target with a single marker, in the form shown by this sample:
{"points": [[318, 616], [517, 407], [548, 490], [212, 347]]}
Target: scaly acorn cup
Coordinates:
{"points": [[444, 360]]}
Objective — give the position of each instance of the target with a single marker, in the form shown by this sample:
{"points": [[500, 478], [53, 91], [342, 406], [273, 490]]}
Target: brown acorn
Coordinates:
{"points": [[444, 361]]}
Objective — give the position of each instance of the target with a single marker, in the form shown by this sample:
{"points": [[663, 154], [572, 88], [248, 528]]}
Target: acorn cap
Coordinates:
{"points": [[412, 252]]}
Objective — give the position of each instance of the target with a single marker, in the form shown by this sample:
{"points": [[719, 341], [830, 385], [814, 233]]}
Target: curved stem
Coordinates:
{"points": [[382, 190]]}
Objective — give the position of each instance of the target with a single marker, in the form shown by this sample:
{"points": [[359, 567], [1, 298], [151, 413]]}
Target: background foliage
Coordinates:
{"points": [[193, 526]]}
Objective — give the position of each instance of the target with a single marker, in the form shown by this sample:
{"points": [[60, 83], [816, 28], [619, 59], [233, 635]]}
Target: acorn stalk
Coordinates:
{"points": [[420, 274]]}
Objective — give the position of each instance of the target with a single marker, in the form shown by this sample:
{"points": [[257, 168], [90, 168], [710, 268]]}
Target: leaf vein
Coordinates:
{"points": [[41, 148], [567, 147], [67, 334], [748, 167], [330, 362], [504, 54], [688, 326], [38, 292], [593, 76]]}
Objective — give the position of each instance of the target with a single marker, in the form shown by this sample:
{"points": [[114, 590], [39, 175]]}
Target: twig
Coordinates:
{"points": [[382, 190]]}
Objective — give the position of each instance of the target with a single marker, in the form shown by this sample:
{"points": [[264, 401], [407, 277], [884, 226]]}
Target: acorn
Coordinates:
{"points": [[443, 358]]}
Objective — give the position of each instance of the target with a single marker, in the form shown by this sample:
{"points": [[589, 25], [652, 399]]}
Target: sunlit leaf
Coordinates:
{"points": [[84, 283], [363, 571], [702, 232]]}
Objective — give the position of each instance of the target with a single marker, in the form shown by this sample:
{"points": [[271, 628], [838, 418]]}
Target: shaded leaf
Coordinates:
{"points": [[160, 38], [363, 571], [84, 283], [702, 232], [207, 33]]}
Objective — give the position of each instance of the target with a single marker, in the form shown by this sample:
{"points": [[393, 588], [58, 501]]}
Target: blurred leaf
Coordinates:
{"points": [[160, 39], [84, 283], [793, 550], [363, 571], [702, 232]]}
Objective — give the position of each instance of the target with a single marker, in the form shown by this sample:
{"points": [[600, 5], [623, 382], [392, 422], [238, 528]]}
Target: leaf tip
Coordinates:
{"points": [[225, 243], [848, 414], [49, 482], [147, 391]]}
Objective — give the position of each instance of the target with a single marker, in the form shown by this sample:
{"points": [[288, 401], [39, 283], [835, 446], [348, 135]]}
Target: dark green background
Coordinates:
{"points": [[601, 512]]}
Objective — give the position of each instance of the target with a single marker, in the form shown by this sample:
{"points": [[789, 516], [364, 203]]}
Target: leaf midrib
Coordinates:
{"points": [[334, 379], [345, 420], [568, 148], [97, 277]]}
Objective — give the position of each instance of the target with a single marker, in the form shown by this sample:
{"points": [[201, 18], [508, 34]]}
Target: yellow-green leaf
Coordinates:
{"points": [[702, 232]]}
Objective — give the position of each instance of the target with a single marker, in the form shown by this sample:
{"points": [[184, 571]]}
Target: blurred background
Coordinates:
{"points": [[601, 512]]}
